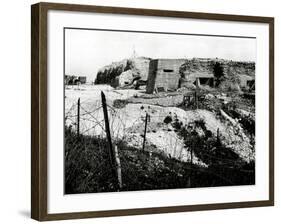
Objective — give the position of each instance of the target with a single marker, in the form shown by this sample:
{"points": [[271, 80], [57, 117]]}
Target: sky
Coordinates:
{"points": [[86, 51]]}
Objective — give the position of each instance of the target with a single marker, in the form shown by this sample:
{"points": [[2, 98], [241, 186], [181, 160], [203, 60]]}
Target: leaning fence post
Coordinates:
{"points": [[107, 129], [78, 117], [144, 135], [197, 91], [218, 137], [118, 167]]}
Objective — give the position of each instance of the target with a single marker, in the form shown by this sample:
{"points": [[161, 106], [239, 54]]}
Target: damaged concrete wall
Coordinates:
{"points": [[206, 66], [164, 73]]}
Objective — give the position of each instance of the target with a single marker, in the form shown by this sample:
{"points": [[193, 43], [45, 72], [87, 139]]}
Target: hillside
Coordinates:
{"points": [[207, 65], [235, 73]]}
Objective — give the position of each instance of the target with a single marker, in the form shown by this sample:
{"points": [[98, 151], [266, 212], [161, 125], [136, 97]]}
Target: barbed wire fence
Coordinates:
{"points": [[99, 118]]}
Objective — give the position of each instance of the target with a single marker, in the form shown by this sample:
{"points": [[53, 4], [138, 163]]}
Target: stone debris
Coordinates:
{"points": [[127, 122]]}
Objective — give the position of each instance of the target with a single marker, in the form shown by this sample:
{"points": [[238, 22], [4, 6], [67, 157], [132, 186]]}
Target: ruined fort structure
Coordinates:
{"points": [[241, 72], [164, 74], [202, 78], [170, 74], [122, 73], [138, 70]]}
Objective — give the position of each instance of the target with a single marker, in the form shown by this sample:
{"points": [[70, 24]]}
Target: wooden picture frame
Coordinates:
{"points": [[39, 109]]}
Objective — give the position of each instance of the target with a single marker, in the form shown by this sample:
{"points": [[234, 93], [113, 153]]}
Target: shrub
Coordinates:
{"points": [[218, 73]]}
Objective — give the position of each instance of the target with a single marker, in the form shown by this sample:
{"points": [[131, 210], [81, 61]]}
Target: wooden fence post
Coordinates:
{"points": [[197, 91], [191, 155], [192, 148], [196, 99], [118, 167], [191, 166], [197, 83], [113, 153], [144, 135], [218, 137], [78, 117], [107, 129]]}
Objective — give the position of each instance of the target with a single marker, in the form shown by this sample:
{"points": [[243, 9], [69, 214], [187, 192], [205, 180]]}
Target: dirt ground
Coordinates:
{"points": [[226, 112]]}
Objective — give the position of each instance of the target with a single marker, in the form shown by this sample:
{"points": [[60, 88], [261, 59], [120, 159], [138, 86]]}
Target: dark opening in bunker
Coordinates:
{"points": [[206, 81], [168, 70]]}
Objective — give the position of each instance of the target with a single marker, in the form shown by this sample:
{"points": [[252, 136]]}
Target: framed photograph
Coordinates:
{"points": [[140, 111]]}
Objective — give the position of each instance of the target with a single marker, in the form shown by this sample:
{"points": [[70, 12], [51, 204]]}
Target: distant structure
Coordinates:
{"points": [[74, 80], [82, 79], [163, 74]]}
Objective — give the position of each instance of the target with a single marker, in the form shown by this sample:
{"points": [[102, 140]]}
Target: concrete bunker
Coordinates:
{"points": [[163, 75], [202, 78], [198, 79]]}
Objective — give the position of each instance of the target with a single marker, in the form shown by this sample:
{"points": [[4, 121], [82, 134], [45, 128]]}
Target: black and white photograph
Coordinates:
{"points": [[152, 110]]}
